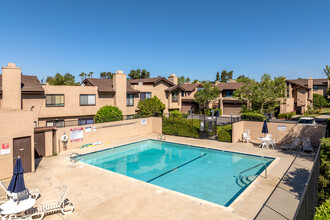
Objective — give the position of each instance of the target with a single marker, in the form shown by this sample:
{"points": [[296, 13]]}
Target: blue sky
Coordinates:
{"points": [[191, 38]]}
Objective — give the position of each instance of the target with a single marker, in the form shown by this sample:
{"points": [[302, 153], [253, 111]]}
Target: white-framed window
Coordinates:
{"points": [[86, 99], [130, 100], [145, 95], [57, 123], [55, 100]]}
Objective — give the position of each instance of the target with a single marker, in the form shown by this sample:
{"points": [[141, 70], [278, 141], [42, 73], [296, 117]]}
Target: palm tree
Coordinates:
{"points": [[83, 76], [327, 71]]}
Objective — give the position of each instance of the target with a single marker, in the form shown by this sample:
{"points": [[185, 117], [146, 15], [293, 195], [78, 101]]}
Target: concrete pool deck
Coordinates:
{"points": [[101, 194]]}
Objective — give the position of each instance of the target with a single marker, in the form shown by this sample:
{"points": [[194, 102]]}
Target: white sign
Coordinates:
{"points": [[94, 129], [77, 134], [279, 127], [284, 128], [5, 149], [143, 121], [88, 129]]}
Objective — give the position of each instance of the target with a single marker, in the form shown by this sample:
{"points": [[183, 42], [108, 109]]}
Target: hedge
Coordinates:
{"points": [[224, 133], [252, 116], [108, 113], [181, 127], [219, 110], [176, 113], [286, 115], [324, 178], [323, 212]]}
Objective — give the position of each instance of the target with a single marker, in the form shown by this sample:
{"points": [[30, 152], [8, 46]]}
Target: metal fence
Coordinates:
{"points": [[309, 199]]}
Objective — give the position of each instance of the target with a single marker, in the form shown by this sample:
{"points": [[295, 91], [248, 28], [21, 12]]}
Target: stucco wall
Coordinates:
{"points": [[107, 132], [282, 137], [14, 124]]}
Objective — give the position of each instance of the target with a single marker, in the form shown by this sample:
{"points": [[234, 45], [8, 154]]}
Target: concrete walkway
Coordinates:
{"points": [[101, 194]]}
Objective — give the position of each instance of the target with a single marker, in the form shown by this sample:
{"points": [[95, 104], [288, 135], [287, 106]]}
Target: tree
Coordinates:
{"points": [[195, 81], [139, 74], [90, 74], [106, 75], [263, 96], [82, 76], [225, 76], [207, 95], [108, 113], [319, 101], [217, 77], [188, 80], [327, 71], [151, 106], [242, 79], [183, 80], [68, 80]]}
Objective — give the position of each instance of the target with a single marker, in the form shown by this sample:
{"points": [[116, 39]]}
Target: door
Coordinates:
{"points": [[22, 148], [231, 108], [39, 144]]}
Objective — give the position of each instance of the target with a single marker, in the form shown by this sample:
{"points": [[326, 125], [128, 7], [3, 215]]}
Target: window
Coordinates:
{"points": [[87, 100], [130, 100], [54, 100], [175, 96], [35, 124], [57, 123], [199, 88], [315, 88], [145, 95], [287, 89], [229, 93], [85, 121], [182, 93]]}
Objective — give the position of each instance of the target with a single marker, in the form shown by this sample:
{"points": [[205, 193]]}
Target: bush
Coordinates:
{"points": [[224, 133], [324, 179], [282, 115], [176, 113], [150, 107], [252, 116], [107, 114], [323, 212], [319, 101], [207, 111], [286, 115], [181, 127], [218, 109]]}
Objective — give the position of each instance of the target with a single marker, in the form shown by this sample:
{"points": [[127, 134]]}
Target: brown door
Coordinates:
{"points": [[22, 148], [39, 144]]}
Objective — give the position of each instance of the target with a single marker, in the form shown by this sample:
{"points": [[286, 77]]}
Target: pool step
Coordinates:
{"points": [[245, 180]]}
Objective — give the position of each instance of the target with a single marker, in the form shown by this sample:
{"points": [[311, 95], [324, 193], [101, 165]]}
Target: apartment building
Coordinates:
{"points": [[77, 105]]}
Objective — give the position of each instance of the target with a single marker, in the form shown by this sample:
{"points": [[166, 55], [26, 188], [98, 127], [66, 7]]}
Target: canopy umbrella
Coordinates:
{"points": [[17, 181], [264, 128]]}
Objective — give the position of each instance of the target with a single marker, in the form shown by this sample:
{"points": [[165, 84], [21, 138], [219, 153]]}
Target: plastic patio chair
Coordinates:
{"points": [[52, 206], [33, 193], [246, 135]]}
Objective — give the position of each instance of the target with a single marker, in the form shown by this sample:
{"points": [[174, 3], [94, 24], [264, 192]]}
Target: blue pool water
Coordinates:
{"points": [[211, 175]]}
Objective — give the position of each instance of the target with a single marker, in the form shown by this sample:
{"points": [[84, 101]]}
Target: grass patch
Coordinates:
{"points": [[325, 111]]}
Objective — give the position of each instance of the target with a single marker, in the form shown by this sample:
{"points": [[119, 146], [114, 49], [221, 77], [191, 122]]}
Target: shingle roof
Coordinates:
{"points": [[229, 86], [316, 82], [299, 84], [151, 80], [29, 84], [175, 87], [106, 85], [189, 87]]}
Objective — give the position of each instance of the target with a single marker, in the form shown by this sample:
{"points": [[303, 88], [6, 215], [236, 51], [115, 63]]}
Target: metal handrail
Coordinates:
{"points": [[255, 167]]}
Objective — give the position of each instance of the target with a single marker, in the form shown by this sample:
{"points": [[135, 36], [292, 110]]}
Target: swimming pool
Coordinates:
{"points": [[208, 174]]}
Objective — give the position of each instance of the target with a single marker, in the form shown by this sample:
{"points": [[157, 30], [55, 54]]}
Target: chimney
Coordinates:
{"points": [[11, 87], [173, 78], [310, 85], [216, 82], [120, 86]]}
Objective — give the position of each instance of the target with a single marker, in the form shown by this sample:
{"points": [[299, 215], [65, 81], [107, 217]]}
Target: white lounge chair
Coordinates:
{"points": [[273, 142], [52, 206], [33, 193], [246, 136], [266, 141], [307, 144], [295, 145]]}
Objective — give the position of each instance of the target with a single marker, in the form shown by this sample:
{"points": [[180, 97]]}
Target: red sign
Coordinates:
{"points": [[5, 146], [77, 134]]}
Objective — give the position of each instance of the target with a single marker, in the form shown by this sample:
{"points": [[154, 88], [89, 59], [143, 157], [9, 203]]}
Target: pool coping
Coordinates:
{"points": [[230, 208]]}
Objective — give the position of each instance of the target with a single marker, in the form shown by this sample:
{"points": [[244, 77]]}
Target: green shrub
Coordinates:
{"points": [[108, 113], [324, 178], [150, 107], [323, 212], [218, 109], [181, 127], [198, 111], [224, 133], [282, 115], [176, 113], [207, 111], [286, 115], [252, 116], [319, 101]]}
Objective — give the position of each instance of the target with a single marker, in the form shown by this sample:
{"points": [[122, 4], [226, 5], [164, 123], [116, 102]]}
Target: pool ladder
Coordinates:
{"points": [[255, 167], [161, 137]]}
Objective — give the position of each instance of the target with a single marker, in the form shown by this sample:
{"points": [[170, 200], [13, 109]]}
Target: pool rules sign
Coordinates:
{"points": [[77, 134], [5, 149]]}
